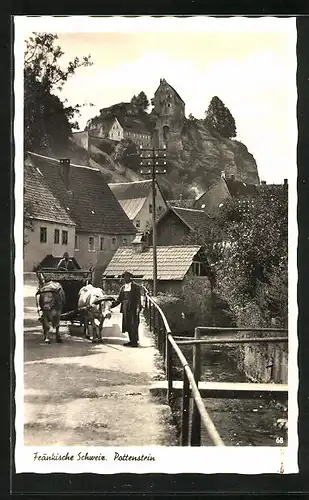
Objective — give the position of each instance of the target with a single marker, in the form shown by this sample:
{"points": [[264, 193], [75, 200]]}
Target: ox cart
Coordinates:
{"points": [[71, 282]]}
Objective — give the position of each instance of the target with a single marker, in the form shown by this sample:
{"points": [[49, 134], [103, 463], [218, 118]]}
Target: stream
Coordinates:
{"points": [[243, 422]]}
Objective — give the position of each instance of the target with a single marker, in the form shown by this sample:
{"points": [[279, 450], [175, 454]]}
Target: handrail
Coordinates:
{"points": [[257, 340], [191, 378], [223, 329], [208, 423], [205, 418]]}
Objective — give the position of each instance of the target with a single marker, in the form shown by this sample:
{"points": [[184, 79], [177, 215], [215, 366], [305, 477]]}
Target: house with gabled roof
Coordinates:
{"points": [[176, 225], [117, 128], [136, 200], [224, 189], [53, 230], [78, 197], [174, 263]]}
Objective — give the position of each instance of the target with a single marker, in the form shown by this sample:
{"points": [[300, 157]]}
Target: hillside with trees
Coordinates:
{"points": [[206, 147]]}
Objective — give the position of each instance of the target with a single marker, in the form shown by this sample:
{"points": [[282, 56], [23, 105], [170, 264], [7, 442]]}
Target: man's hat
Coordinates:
{"points": [[127, 273]]}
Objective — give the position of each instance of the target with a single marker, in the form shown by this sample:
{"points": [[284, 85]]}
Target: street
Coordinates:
{"points": [[79, 393]]}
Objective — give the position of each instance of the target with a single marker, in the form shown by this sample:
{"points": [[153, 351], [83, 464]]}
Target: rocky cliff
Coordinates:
{"points": [[196, 157], [204, 155]]}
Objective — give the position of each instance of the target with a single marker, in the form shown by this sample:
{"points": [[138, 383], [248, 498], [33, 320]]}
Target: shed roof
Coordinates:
{"points": [[173, 262], [90, 202]]}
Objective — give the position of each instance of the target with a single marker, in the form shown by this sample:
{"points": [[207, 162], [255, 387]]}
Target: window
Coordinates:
{"points": [[64, 237], [199, 269], [137, 223], [196, 268], [76, 242], [101, 243], [113, 242], [150, 209], [56, 236], [91, 247], [43, 234], [125, 241]]}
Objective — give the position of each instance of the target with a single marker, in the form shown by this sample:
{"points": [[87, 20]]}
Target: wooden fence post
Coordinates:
{"points": [[150, 313], [163, 339], [196, 419], [185, 410], [154, 310], [159, 333], [169, 370]]}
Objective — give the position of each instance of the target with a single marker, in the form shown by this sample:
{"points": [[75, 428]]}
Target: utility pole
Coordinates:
{"points": [[154, 162]]}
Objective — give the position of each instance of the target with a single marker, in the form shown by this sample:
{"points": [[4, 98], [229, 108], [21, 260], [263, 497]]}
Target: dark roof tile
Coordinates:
{"points": [[44, 205], [92, 205]]}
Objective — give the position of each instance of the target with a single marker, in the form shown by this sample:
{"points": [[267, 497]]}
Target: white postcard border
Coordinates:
{"points": [[208, 460]]}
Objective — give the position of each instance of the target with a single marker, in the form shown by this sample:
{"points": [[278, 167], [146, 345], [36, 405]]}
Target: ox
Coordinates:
{"points": [[50, 299], [92, 310]]}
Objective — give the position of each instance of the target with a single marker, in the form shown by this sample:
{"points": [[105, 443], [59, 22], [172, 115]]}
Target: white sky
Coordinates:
{"points": [[248, 63]]}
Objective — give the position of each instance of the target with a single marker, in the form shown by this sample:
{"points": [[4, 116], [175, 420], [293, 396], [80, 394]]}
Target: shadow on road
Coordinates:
{"points": [[35, 349], [55, 383]]}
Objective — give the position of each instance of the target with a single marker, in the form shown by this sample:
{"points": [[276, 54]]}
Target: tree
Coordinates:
{"points": [[140, 101], [48, 120], [254, 264], [191, 118], [126, 153], [219, 118]]}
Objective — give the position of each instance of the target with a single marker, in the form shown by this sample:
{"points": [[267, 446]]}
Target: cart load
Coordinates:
{"points": [[71, 283]]}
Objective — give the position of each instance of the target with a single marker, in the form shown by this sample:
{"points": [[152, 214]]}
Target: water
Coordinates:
{"points": [[240, 422]]}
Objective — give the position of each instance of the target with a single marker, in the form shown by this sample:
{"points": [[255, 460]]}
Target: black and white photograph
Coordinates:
{"points": [[156, 239]]}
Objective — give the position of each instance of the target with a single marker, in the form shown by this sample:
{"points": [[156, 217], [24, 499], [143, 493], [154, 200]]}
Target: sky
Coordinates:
{"points": [[250, 66]]}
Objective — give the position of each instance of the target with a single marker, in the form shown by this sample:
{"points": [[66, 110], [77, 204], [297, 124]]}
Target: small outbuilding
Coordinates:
{"points": [[174, 263]]}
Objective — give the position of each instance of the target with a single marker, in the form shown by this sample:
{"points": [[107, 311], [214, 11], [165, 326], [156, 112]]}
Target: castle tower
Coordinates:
{"points": [[169, 109]]}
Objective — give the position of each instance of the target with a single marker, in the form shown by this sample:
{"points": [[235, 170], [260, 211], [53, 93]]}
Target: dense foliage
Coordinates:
{"points": [[48, 121], [248, 254], [140, 101], [219, 118], [254, 262]]}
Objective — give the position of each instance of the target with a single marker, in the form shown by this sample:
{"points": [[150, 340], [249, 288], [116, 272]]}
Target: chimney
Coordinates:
{"points": [[263, 183], [139, 244], [285, 182], [180, 197], [66, 172]]}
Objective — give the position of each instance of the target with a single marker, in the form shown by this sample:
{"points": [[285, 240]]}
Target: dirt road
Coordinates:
{"points": [[79, 393]]}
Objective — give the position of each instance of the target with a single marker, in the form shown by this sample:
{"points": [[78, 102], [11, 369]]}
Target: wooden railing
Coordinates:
{"points": [[167, 344]]}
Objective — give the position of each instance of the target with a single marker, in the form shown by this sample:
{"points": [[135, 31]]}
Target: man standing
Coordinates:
{"points": [[66, 264], [130, 300]]}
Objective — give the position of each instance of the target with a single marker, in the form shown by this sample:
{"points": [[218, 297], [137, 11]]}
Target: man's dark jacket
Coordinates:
{"points": [[134, 303]]}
